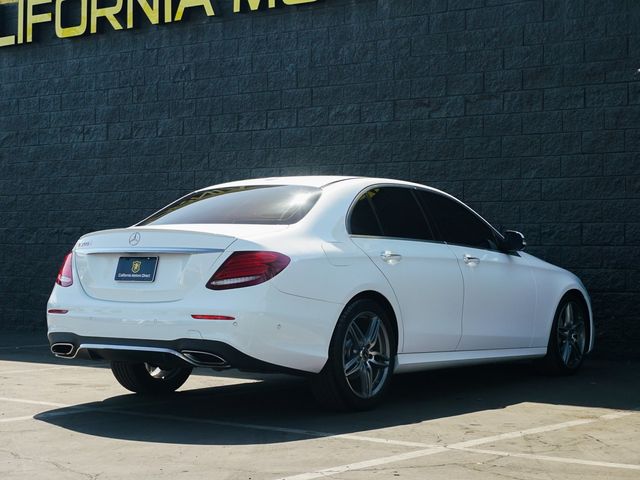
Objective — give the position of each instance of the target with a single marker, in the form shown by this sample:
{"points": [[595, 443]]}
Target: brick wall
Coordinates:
{"points": [[527, 110]]}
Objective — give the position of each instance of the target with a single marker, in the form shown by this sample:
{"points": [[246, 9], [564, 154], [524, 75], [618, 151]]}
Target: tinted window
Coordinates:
{"points": [[457, 224], [399, 213], [271, 205], [363, 220]]}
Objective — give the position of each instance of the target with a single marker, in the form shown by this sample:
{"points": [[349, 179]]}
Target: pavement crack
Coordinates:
{"points": [[57, 465]]}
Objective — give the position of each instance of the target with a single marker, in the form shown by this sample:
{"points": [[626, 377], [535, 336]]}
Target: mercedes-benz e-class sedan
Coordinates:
{"points": [[345, 279]]}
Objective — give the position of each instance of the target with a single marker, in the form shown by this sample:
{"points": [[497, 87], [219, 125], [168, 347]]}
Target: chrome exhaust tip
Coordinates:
{"points": [[204, 359], [62, 349]]}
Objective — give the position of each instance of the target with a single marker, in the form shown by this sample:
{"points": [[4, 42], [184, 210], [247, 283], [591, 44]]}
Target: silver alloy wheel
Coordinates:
{"points": [[571, 334], [366, 355], [157, 372]]}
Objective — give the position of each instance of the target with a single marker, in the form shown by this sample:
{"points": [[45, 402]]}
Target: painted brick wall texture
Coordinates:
{"points": [[527, 110]]}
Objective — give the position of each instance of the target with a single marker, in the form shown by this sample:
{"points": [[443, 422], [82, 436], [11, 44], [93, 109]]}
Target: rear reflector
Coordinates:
{"points": [[65, 275], [57, 311], [243, 269], [212, 317]]}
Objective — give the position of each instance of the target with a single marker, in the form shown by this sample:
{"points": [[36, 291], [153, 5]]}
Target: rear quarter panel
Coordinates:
{"points": [[325, 264]]}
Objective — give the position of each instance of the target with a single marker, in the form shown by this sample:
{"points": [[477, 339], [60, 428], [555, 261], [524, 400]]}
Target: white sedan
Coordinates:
{"points": [[344, 279]]}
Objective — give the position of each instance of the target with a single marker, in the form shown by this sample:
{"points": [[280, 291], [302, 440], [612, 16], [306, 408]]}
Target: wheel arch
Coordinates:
{"points": [[579, 295], [384, 302]]}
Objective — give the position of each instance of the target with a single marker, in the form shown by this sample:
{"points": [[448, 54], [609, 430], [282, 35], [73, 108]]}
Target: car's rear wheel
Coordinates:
{"points": [[147, 378], [361, 358], [568, 341]]}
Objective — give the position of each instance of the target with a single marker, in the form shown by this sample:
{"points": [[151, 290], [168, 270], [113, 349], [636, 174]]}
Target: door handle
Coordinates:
{"points": [[471, 260], [390, 257]]}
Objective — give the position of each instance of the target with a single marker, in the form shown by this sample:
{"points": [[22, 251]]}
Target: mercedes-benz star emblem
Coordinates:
{"points": [[134, 239]]}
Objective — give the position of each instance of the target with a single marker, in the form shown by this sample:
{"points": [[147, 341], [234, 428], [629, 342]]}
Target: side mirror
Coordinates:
{"points": [[513, 241]]}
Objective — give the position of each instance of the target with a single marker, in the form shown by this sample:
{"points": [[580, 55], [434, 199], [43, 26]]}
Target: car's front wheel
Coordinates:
{"points": [[147, 378], [361, 358], [568, 341]]}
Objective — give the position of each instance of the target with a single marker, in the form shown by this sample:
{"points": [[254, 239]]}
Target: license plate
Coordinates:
{"points": [[136, 269]]}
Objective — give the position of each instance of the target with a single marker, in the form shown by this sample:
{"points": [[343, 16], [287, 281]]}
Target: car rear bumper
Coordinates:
{"points": [[267, 325]]}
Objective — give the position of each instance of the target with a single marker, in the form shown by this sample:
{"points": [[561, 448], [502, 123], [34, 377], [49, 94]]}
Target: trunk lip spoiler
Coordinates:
{"points": [[148, 250]]}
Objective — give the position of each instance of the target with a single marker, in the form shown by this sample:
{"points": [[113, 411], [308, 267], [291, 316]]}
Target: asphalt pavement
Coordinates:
{"points": [[68, 419]]}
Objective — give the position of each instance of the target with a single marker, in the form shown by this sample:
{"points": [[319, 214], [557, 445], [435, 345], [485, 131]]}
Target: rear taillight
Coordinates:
{"points": [[243, 269], [65, 275]]}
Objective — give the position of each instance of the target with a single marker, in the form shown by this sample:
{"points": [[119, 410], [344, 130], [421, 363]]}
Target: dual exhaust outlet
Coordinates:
{"points": [[204, 359], [62, 349], [194, 357]]}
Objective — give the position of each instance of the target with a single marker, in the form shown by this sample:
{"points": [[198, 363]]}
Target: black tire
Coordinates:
{"points": [[568, 339], [147, 379], [337, 390]]}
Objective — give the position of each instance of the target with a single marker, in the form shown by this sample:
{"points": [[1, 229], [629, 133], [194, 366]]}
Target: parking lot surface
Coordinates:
{"points": [[68, 420]]}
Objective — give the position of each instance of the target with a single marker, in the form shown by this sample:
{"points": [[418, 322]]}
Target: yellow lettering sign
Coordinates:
{"points": [[88, 13], [252, 4], [167, 11], [256, 4], [107, 12], [33, 18], [20, 21], [152, 13], [297, 2], [8, 40], [184, 4], [68, 32]]}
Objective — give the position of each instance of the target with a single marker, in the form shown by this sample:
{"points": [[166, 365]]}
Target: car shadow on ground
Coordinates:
{"points": [[233, 414]]}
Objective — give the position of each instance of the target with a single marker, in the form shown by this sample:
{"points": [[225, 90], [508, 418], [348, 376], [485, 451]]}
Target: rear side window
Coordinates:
{"points": [[267, 205], [397, 212], [363, 219], [457, 224]]}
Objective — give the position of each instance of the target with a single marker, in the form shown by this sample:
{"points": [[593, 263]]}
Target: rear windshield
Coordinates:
{"points": [[267, 205]]}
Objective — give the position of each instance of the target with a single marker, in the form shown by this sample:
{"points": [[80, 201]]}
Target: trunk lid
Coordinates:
{"points": [[185, 256]]}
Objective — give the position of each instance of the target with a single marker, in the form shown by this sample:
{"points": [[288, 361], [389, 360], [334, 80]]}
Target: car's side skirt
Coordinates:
{"points": [[411, 362]]}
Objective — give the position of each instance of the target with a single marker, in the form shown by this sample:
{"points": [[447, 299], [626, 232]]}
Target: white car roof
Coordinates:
{"points": [[311, 181]]}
